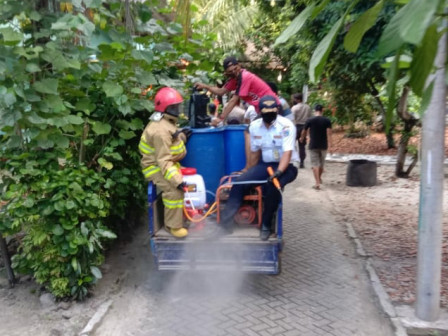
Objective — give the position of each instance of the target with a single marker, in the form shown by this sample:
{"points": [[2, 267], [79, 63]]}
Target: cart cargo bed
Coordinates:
{"points": [[203, 250]]}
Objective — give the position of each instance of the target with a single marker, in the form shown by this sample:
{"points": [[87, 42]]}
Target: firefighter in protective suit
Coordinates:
{"points": [[162, 146]]}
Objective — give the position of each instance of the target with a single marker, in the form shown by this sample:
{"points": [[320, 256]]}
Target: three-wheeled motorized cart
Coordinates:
{"points": [[215, 153]]}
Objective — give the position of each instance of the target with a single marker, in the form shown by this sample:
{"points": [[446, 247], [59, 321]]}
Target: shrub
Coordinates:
{"points": [[59, 211]]}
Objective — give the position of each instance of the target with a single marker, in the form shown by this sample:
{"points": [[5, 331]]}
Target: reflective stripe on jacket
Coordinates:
{"points": [[161, 151]]}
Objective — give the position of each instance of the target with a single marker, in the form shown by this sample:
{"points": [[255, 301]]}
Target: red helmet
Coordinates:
{"points": [[165, 97]]}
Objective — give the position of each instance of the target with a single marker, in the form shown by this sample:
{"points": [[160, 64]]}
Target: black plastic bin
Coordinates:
{"points": [[361, 173]]}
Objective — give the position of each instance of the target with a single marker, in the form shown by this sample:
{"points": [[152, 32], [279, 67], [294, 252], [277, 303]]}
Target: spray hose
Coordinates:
{"points": [[208, 213]]}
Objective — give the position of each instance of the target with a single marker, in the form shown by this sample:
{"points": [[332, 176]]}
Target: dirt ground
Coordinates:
{"points": [[385, 218]]}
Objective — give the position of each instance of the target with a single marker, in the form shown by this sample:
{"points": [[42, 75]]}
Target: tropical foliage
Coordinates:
{"points": [[76, 81], [355, 48], [227, 19]]}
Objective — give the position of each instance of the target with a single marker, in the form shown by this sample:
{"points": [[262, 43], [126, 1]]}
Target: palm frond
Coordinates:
{"points": [[230, 31]]}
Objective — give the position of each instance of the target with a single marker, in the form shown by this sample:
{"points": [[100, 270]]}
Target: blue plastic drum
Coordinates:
{"points": [[206, 153], [235, 156]]}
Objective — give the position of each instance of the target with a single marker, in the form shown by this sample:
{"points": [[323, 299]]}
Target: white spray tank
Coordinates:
{"points": [[195, 197]]}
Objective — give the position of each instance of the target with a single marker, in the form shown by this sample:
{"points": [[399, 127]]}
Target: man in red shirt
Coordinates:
{"points": [[246, 85]]}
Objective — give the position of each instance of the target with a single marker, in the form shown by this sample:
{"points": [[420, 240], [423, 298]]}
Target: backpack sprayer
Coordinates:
{"points": [[197, 109]]}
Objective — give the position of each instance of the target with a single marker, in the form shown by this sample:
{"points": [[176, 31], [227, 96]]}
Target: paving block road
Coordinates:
{"points": [[323, 288]]}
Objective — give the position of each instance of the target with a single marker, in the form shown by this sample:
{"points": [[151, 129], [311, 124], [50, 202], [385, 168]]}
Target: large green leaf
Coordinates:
{"points": [[60, 140], [112, 89], [145, 55], [295, 25], [93, 3], [74, 119], [85, 105], [146, 78], [56, 103], [361, 26], [391, 90], [322, 51], [96, 272], [106, 233], [32, 67], [28, 53], [126, 134], [58, 230], [45, 143], [106, 164], [10, 36], [8, 98], [59, 61], [48, 85], [319, 8], [391, 39], [101, 128], [423, 60], [417, 16], [426, 98], [36, 119]]}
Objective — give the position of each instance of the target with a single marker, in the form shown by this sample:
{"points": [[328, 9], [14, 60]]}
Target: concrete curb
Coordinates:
{"points": [[379, 159], [383, 298], [378, 288], [403, 318], [96, 319]]}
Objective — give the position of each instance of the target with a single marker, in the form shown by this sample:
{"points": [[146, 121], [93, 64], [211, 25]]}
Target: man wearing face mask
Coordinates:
{"points": [[162, 146], [247, 86], [272, 144]]}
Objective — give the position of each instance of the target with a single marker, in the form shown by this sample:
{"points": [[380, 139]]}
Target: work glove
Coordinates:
{"points": [[276, 175], [187, 131], [183, 134], [182, 186]]}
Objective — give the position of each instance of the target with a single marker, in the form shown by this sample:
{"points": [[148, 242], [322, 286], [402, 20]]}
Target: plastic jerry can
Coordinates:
{"points": [[195, 195]]}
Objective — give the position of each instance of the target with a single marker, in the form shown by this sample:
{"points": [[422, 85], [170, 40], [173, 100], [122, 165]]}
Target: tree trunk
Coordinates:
{"points": [[430, 233], [129, 22], [403, 149], [390, 137], [7, 261], [390, 142], [408, 124]]}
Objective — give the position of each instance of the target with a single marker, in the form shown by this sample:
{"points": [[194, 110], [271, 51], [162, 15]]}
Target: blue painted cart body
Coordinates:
{"points": [[238, 251]]}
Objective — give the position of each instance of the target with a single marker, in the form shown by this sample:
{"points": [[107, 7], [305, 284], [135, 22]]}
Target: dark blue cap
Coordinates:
{"points": [[268, 104]]}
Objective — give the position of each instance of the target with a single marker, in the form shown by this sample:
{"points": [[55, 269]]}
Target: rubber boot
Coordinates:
{"points": [[178, 233]]}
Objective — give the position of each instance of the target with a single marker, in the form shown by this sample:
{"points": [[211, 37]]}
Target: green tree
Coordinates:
{"points": [[76, 83]]}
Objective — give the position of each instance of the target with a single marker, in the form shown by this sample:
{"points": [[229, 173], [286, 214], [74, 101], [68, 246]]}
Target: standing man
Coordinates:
{"points": [[162, 146], [301, 113], [272, 144], [319, 130]]}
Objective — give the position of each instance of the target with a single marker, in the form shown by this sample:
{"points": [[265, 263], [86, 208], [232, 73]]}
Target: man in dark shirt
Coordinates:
{"points": [[318, 129]]}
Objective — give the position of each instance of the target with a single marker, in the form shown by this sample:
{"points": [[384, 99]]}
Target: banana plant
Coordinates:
{"points": [[413, 28]]}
